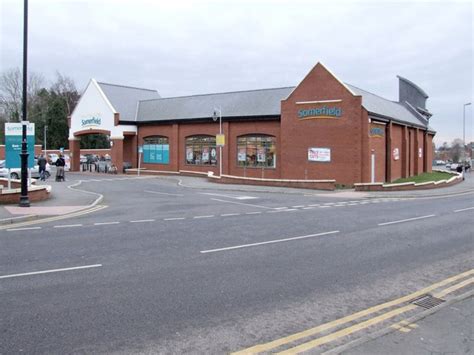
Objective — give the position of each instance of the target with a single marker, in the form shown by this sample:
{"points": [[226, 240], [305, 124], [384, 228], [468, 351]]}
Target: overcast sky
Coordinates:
{"points": [[183, 47]]}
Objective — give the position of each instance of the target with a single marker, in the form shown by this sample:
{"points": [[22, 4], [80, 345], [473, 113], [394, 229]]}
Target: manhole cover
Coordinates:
{"points": [[427, 301]]}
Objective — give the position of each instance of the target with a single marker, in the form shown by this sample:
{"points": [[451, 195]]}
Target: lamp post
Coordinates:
{"points": [[214, 117], [24, 200], [464, 130]]}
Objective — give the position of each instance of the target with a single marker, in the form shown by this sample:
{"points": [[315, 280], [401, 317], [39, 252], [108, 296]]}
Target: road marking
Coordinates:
{"points": [[105, 223], [276, 211], [22, 229], [174, 219], [454, 288], [162, 193], [325, 206], [142, 221], [240, 203], [230, 196], [339, 205], [301, 206], [316, 205], [352, 204], [280, 208], [50, 271], [68, 226], [254, 212], [230, 214], [308, 208], [464, 209], [268, 242], [407, 220], [329, 203], [209, 216], [266, 347]]}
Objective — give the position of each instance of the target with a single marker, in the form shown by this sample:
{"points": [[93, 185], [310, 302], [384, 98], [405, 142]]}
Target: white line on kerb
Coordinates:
{"points": [[406, 220], [22, 229], [68, 226], [198, 217], [464, 209], [268, 242], [50, 271], [105, 223], [143, 221]]}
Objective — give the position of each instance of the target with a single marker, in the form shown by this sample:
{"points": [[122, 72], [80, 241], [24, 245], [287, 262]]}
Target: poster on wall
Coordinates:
{"points": [[396, 154], [241, 156], [319, 154], [261, 155], [420, 153], [156, 153], [189, 154], [205, 154]]}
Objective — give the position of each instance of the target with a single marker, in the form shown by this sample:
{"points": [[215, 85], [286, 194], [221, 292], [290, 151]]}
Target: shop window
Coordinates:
{"points": [[156, 150], [256, 151], [201, 150]]}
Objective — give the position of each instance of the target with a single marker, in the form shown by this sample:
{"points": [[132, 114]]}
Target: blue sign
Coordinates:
{"points": [[323, 112], [13, 140], [376, 132], [156, 153]]}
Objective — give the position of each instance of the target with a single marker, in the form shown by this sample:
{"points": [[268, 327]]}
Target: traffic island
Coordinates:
{"points": [[421, 182], [12, 195], [300, 184]]}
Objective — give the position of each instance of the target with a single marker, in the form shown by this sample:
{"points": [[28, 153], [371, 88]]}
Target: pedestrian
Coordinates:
{"points": [[60, 163], [42, 167]]}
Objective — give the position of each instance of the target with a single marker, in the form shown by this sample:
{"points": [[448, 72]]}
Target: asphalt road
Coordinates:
{"points": [[170, 269]]}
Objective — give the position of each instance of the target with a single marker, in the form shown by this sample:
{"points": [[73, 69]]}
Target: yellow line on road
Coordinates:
{"points": [[55, 218], [454, 288], [312, 331], [347, 331]]}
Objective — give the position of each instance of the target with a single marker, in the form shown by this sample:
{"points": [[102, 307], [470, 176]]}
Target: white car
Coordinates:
{"points": [[53, 157], [15, 173]]}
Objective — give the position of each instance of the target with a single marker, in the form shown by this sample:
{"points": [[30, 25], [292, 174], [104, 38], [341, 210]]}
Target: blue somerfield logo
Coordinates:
{"points": [[94, 121], [323, 112]]}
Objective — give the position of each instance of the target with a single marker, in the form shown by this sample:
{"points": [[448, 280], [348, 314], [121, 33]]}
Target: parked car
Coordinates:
{"points": [[15, 173], [448, 166], [52, 157], [440, 162], [453, 166], [83, 159]]}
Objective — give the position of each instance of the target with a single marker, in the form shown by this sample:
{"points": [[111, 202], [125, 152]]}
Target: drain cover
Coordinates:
{"points": [[427, 301]]}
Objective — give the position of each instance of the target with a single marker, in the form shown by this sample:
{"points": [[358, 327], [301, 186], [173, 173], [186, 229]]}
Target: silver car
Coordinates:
{"points": [[15, 173]]}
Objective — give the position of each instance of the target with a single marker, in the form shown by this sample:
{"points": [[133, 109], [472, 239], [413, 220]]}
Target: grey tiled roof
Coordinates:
{"points": [[125, 98], [265, 102], [390, 109]]}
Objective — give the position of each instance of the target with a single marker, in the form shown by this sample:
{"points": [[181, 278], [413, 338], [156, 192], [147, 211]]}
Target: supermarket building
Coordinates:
{"points": [[320, 130]]}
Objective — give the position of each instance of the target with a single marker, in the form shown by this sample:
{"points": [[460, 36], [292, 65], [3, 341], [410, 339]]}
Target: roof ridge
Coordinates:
{"points": [[126, 86], [371, 93], [219, 93]]}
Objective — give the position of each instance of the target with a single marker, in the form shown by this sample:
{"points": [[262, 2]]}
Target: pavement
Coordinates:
{"points": [[171, 269]]}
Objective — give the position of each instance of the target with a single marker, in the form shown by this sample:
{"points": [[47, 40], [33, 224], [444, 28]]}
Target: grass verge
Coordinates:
{"points": [[425, 177]]}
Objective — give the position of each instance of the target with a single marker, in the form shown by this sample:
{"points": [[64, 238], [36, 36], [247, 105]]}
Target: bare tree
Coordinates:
{"points": [[457, 150], [64, 86], [11, 89]]}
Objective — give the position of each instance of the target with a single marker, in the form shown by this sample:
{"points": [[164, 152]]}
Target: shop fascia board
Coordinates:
{"points": [[203, 120], [377, 116]]}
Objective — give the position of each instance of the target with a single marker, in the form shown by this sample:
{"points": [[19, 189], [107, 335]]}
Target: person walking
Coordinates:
{"points": [[42, 167], [60, 163]]}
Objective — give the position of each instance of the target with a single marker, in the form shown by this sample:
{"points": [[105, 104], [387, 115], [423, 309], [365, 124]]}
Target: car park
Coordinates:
{"points": [[15, 173]]}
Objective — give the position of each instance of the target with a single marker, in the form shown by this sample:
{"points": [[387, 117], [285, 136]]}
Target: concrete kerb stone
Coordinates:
{"points": [[355, 343], [11, 220]]}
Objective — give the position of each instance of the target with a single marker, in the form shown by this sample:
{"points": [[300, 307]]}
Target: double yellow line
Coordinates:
{"points": [[55, 218], [267, 347]]}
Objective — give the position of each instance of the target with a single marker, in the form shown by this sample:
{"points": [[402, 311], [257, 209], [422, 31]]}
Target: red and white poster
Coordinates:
{"points": [[319, 154], [396, 154]]}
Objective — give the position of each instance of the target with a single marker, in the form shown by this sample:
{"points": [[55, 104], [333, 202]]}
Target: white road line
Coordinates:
{"points": [[240, 203], [301, 206], [280, 208], [22, 229], [316, 205], [268, 242], [68, 226], [464, 209], [230, 196], [163, 193], [407, 220], [209, 216], [253, 212], [352, 204], [50, 271], [142, 221], [308, 208], [230, 214], [174, 219], [105, 223], [325, 206], [329, 203], [339, 205], [276, 211]]}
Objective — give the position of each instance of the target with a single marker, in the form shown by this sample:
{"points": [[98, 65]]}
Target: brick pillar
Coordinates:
{"points": [[226, 149], [134, 152], [415, 155], [388, 152], [174, 148], [404, 155], [117, 153], [365, 152], [75, 154], [425, 151]]}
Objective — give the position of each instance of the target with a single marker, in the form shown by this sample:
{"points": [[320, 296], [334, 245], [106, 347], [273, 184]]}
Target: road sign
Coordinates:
{"points": [[140, 149], [13, 134], [220, 140]]}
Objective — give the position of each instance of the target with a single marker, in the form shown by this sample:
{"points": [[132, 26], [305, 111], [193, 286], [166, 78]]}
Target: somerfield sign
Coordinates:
{"points": [[93, 121], [323, 112]]}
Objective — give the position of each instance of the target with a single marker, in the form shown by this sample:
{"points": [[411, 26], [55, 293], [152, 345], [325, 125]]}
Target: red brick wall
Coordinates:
{"points": [[342, 135], [397, 165], [377, 146]]}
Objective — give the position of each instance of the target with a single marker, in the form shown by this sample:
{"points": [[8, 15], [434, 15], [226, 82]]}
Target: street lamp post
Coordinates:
{"points": [[214, 117], [464, 130], [24, 200]]}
